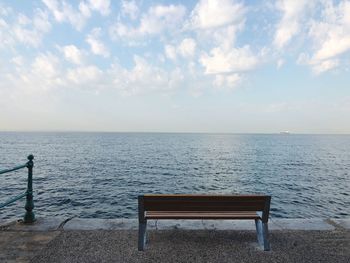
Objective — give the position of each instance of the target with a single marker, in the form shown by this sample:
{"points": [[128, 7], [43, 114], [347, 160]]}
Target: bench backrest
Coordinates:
{"points": [[205, 203]]}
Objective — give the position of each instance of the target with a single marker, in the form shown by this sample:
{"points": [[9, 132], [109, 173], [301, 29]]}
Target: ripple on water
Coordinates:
{"points": [[307, 175]]}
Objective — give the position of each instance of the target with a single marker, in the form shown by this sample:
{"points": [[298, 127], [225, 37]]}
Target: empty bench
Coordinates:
{"points": [[229, 207]]}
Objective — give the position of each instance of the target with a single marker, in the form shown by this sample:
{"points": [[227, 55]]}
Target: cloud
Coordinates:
{"points": [[25, 30], [101, 6], [155, 21], [46, 66], [130, 9], [229, 81], [325, 65], [227, 61], [144, 78], [72, 54], [65, 12], [289, 25], [186, 49], [41, 21], [84, 9], [41, 75], [217, 24], [170, 52], [96, 45], [330, 35], [84, 75], [47, 73], [18, 60], [209, 14]]}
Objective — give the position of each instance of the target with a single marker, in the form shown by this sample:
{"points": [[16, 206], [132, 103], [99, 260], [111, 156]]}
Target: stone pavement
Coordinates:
{"points": [[115, 240]]}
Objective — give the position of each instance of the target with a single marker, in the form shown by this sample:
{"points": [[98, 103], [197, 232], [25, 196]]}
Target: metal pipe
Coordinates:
{"points": [[13, 169], [13, 200]]}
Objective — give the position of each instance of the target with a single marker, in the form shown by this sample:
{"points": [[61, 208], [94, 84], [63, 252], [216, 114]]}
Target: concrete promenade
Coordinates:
{"points": [[115, 240]]}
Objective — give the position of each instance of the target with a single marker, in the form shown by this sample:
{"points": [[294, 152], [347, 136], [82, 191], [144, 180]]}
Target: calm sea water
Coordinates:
{"points": [[100, 174]]}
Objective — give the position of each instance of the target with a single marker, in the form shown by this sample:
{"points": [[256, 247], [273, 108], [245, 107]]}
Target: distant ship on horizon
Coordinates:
{"points": [[284, 132]]}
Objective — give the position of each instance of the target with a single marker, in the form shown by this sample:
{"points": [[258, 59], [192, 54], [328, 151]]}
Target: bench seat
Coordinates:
{"points": [[201, 215]]}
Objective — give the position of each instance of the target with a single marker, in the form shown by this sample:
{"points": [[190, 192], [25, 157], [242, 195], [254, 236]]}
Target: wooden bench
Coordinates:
{"points": [[230, 207]]}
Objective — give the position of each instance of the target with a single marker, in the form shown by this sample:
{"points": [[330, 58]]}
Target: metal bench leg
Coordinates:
{"points": [[265, 232], [262, 233], [142, 235], [259, 232]]}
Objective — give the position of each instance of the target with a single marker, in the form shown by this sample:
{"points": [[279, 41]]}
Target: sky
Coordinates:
{"points": [[175, 66]]}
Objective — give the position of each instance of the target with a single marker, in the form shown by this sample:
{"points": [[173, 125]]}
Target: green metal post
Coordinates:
{"points": [[29, 216]]}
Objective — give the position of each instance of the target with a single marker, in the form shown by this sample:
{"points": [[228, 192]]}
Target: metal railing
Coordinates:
{"points": [[29, 216]]}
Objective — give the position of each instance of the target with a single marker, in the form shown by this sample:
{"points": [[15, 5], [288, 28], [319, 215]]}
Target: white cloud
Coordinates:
{"points": [[230, 81], [209, 14], [46, 65], [130, 9], [159, 17], [25, 30], [23, 19], [170, 52], [84, 9], [289, 25], [41, 21], [227, 61], [187, 47], [96, 45], [102, 6], [226, 36], [217, 23], [330, 34], [64, 12], [144, 78], [84, 74], [72, 54], [156, 20], [325, 65], [27, 36], [336, 44], [18, 60], [41, 75], [6, 38]]}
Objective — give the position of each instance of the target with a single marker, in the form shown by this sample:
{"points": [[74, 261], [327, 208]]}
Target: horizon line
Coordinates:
{"points": [[171, 132]]}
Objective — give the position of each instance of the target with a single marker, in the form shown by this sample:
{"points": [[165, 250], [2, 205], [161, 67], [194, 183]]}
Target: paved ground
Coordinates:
{"points": [[197, 246], [174, 246], [57, 241], [22, 246]]}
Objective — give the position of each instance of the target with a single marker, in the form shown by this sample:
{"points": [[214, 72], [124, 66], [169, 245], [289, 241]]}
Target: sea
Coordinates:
{"points": [[100, 175]]}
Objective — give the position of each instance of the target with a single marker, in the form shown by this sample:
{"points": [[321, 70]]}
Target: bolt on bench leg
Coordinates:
{"points": [[142, 235]]}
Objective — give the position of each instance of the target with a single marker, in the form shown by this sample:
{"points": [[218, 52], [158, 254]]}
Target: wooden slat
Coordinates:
{"points": [[202, 215], [202, 208], [199, 196], [203, 202], [206, 197], [199, 205]]}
